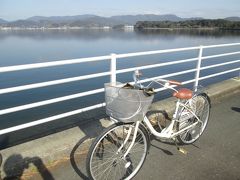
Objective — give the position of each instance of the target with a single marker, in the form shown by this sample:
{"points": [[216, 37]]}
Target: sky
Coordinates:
{"points": [[21, 9]]}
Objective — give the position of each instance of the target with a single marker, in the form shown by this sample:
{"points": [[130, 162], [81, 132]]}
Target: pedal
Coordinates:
{"points": [[184, 151]]}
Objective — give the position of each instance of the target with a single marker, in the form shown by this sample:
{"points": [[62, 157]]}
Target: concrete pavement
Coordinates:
{"points": [[216, 155]]}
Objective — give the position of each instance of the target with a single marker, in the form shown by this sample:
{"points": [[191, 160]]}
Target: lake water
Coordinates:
{"points": [[21, 47]]}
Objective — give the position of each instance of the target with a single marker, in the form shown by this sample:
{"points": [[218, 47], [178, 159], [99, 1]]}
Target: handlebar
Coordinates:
{"points": [[163, 82], [170, 82], [175, 82]]}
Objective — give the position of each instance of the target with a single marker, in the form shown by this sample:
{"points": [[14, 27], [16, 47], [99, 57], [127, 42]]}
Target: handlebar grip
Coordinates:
{"points": [[175, 82]]}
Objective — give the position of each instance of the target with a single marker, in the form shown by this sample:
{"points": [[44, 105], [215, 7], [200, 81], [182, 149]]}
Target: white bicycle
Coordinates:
{"points": [[120, 151]]}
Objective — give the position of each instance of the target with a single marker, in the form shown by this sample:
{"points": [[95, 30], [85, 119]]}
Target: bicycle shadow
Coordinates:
{"points": [[15, 170], [78, 155], [76, 159], [163, 150], [236, 109]]}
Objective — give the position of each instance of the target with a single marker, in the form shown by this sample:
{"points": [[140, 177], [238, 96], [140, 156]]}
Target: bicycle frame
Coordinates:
{"points": [[169, 131]]}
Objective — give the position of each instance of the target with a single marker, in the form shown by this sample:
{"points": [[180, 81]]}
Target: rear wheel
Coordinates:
{"points": [[105, 158], [200, 105]]}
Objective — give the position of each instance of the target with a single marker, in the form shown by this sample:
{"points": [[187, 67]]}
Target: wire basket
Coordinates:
{"points": [[126, 104]]}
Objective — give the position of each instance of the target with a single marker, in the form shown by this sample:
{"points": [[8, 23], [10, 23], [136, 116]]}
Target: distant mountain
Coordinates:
{"points": [[114, 20], [61, 19], [2, 21], [132, 19], [96, 21], [89, 20], [193, 18], [22, 23], [233, 18]]}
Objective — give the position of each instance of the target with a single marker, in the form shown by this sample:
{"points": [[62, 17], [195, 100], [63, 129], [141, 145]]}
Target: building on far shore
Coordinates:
{"points": [[128, 28]]}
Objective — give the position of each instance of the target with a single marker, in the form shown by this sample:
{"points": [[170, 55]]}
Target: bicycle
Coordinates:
{"points": [[120, 151]]}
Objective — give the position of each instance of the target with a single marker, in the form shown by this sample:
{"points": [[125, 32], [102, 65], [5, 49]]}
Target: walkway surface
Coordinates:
{"points": [[216, 155]]}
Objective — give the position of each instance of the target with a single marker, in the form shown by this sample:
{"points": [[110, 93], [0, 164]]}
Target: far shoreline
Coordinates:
{"points": [[171, 29], [53, 28], [108, 28], [66, 28]]}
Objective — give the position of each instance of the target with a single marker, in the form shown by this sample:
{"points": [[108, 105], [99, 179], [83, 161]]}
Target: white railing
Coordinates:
{"points": [[113, 75]]}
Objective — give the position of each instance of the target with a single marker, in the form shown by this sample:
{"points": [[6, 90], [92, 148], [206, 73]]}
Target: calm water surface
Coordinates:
{"points": [[21, 47]]}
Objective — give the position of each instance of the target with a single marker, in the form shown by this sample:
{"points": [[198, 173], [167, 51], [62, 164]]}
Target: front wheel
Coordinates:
{"points": [[106, 155], [200, 105]]}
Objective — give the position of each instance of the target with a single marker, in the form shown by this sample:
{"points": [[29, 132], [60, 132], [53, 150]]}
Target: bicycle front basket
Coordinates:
{"points": [[124, 104]]}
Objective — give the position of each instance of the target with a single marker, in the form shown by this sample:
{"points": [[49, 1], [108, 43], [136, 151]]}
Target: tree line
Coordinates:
{"points": [[218, 23]]}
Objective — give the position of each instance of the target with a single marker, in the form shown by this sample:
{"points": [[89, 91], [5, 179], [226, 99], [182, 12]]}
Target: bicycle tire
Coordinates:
{"points": [[203, 113], [108, 142]]}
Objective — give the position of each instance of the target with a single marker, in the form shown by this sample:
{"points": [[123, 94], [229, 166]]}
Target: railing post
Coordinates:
{"points": [[198, 68], [113, 68]]}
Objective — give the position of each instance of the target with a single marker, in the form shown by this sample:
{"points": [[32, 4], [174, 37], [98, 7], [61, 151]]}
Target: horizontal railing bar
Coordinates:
{"points": [[161, 89], [155, 52], [52, 63], [50, 83], [56, 117], [64, 98], [50, 101], [220, 45], [61, 81], [218, 74], [52, 118], [168, 75], [217, 65], [155, 65], [82, 60], [188, 82], [220, 55], [99, 58]]}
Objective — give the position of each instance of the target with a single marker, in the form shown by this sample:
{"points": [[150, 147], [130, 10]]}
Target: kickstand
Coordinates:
{"points": [[180, 149]]}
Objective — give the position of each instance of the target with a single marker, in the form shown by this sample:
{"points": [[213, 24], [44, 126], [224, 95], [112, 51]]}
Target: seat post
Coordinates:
{"points": [[176, 109]]}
